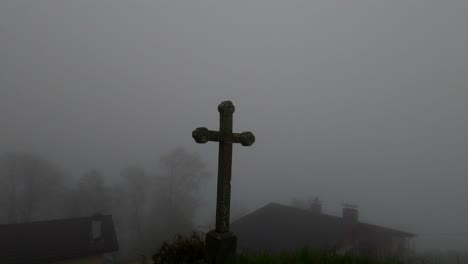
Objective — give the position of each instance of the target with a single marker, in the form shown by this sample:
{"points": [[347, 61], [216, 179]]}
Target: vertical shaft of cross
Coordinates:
{"points": [[221, 244], [223, 199]]}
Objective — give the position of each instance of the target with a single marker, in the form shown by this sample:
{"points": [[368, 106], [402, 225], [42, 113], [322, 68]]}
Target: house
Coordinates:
{"points": [[62, 241], [276, 228]]}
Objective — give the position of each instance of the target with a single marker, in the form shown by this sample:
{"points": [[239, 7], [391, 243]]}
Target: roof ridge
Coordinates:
{"points": [[272, 205], [56, 220]]}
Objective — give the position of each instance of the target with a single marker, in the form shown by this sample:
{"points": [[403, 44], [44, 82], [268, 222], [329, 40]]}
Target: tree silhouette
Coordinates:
{"points": [[28, 183]]}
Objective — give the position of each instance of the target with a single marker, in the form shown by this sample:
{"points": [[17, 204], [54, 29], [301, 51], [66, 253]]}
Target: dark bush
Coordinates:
{"points": [[183, 249]]}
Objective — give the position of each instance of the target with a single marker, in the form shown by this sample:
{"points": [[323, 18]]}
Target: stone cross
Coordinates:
{"points": [[226, 138]]}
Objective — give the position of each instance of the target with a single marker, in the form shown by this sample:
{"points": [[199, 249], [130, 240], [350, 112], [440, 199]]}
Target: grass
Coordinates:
{"points": [[306, 256], [191, 248]]}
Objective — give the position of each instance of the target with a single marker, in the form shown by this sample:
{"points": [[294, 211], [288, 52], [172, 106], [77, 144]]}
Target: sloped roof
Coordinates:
{"points": [[53, 240], [362, 228], [277, 227]]}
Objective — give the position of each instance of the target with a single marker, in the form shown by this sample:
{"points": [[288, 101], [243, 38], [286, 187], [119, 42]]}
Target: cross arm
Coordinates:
{"points": [[203, 135], [245, 138]]}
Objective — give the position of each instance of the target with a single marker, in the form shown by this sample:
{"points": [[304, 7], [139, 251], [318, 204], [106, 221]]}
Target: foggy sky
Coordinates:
{"points": [[354, 101]]}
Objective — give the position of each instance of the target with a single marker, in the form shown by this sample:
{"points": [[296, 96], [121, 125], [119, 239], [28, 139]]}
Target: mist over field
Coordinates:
{"points": [[362, 102]]}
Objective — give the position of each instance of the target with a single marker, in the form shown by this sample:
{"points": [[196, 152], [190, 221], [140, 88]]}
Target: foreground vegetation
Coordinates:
{"points": [[191, 249], [304, 256]]}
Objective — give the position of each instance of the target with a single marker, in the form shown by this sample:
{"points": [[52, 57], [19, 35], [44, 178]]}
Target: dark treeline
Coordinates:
{"points": [[147, 207]]}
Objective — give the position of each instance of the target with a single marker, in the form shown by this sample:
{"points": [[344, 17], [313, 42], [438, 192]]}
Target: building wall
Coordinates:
{"points": [[85, 260]]}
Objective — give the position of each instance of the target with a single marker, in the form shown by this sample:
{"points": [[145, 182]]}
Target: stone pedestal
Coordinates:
{"points": [[221, 247]]}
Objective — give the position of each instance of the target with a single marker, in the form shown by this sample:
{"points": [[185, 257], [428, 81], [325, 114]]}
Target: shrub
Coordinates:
{"points": [[183, 249]]}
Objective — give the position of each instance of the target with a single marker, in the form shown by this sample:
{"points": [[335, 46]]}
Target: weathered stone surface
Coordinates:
{"points": [[203, 135], [221, 247], [200, 135], [246, 139], [226, 107], [221, 243]]}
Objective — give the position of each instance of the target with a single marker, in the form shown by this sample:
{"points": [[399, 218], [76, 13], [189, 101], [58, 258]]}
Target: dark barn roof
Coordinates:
{"points": [[277, 227], [53, 240]]}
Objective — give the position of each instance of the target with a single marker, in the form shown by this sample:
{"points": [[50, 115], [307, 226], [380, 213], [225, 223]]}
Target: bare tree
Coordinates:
{"points": [[30, 183], [176, 194], [91, 195], [136, 187]]}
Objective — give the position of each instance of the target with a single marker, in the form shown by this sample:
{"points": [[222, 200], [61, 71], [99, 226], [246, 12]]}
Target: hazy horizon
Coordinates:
{"points": [[362, 102]]}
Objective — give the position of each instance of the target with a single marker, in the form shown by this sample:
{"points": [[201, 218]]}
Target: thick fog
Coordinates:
{"points": [[363, 102]]}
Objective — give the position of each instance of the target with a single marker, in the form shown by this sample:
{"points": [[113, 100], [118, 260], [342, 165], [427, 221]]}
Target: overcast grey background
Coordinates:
{"points": [[355, 101]]}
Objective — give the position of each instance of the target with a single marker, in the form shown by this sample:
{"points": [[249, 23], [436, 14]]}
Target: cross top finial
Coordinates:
{"points": [[226, 107]]}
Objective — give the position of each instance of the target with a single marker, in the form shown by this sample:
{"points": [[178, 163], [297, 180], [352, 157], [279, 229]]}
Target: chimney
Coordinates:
{"points": [[316, 206], [350, 214], [96, 227]]}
